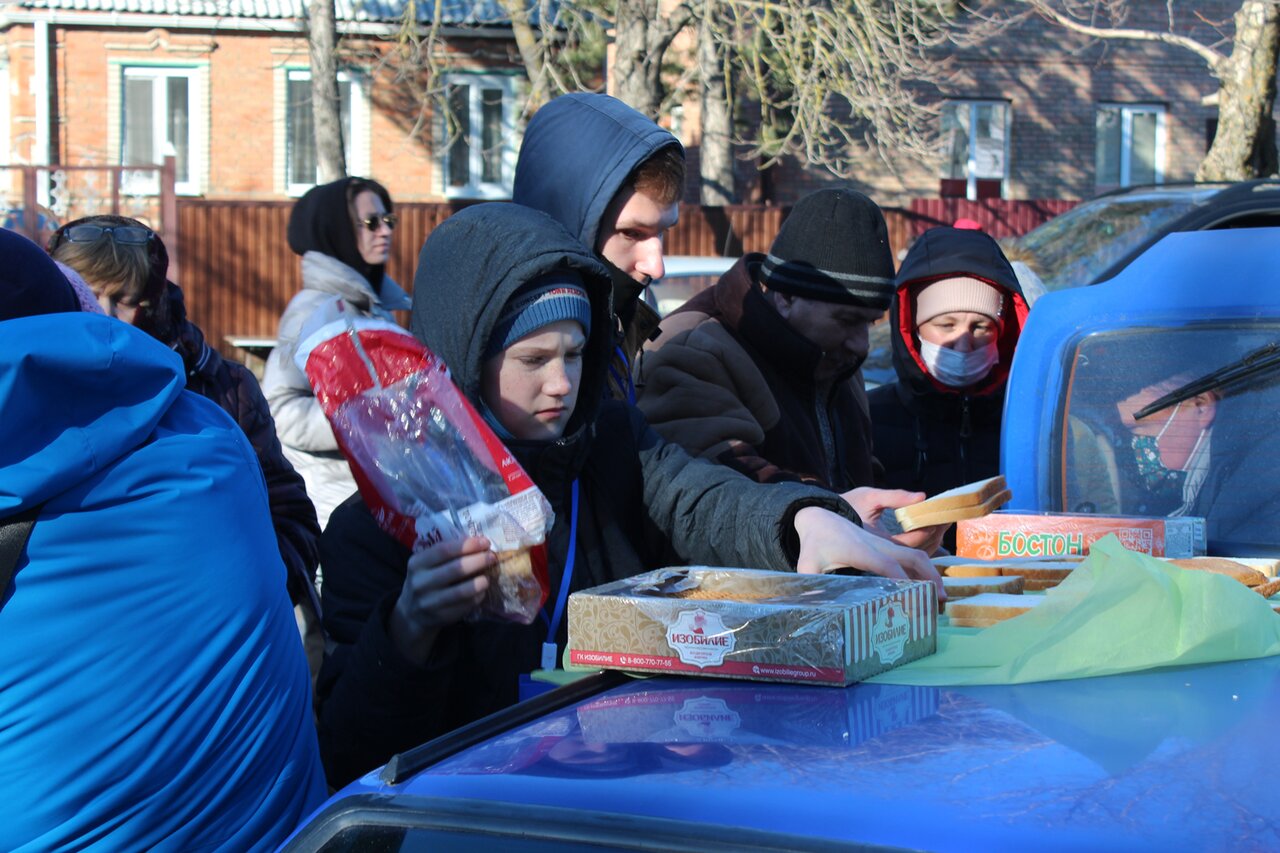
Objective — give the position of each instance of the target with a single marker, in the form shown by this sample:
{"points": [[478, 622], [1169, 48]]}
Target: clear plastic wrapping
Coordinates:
{"points": [[426, 464]]}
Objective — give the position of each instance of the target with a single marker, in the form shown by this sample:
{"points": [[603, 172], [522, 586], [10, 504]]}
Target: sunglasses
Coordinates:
{"points": [[373, 222], [125, 235]]}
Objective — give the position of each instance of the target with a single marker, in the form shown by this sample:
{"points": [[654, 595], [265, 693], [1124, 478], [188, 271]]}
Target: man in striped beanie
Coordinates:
{"points": [[760, 371]]}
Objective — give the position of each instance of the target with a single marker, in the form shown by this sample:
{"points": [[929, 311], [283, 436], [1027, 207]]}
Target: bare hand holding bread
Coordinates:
{"points": [[969, 501]]}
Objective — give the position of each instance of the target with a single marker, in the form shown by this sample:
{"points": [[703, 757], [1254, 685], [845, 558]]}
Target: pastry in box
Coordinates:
{"points": [[758, 625]]}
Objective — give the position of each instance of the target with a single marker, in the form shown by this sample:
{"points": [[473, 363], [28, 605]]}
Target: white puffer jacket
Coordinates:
{"points": [[304, 431]]}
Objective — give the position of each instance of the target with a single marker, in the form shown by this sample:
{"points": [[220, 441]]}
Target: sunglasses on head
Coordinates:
{"points": [[127, 235], [388, 219]]}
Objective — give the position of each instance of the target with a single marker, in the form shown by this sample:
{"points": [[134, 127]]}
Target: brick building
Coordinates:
{"points": [[1035, 112], [223, 86], [1038, 112]]}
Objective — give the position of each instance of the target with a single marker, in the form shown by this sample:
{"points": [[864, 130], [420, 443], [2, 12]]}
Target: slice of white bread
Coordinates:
{"points": [[989, 608], [969, 501], [1222, 566], [1040, 584], [968, 587], [1269, 566], [1043, 570], [972, 570]]}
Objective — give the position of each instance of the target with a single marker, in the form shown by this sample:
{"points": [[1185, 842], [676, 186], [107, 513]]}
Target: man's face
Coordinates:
{"points": [[842, 332], [632, 231], [1177, 429]]}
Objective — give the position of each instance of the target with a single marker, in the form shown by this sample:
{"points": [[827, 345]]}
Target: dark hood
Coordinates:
{"points": [[944, 253], [577, 151], [470, 266], [321, 221]]}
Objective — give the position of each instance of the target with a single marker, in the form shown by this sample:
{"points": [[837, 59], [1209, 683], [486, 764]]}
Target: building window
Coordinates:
{"points": [[1129, 145], [160, 106], [975, 136], [301, 168], [479, 134]]}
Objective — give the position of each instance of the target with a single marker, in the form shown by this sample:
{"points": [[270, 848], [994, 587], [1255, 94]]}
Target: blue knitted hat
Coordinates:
{"points": [[543, 301]]}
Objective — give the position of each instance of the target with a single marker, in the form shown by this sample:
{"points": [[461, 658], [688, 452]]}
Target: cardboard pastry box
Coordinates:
{"points": [[1001, 535], [759, 625]]}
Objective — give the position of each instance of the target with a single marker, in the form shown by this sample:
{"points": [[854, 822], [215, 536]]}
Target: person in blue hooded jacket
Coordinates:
{"points": [[619, 198], [154, 695]]}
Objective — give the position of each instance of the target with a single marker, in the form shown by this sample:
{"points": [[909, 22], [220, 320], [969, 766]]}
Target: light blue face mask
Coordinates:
{"points": [[958, 369]]}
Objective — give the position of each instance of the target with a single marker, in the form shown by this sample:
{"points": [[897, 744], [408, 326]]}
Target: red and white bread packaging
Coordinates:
{"points": [[425, 462]]}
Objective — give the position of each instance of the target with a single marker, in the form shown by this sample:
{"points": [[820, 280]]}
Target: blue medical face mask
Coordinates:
{"points": [[958, 369], [1157, 478]]}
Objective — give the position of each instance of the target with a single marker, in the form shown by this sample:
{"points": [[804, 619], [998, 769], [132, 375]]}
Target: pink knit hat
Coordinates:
{"points": [[961, 293]]}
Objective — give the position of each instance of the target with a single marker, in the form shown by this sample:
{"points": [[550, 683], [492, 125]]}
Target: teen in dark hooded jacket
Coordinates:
{"points": [[403, 667], [619, 199], [938, 426]]}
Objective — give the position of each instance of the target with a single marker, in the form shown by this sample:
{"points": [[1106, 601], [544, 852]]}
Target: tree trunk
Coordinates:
{"points": [[532, 54], [636, 71], [642, 34], [331, 160], [1245, 144], [715, 154]]}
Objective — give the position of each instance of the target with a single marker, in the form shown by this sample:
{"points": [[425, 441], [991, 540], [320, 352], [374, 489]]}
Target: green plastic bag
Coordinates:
{"points": [[1119, 611]]}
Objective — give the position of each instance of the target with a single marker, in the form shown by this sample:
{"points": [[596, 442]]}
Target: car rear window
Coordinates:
{"points": [[1214, 454], [1075, 248]]}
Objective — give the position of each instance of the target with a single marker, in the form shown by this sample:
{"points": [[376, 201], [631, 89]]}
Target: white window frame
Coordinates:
{"points": [[475, 187], [148, 182], [1127, 112], [971, 166], [357, 151]]}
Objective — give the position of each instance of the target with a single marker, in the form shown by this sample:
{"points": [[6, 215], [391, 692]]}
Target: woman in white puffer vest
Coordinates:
{"points": [[343, 232]]}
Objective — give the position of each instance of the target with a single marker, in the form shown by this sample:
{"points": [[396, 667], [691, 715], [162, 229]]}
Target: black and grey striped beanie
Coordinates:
{"points": [[833, 247]]}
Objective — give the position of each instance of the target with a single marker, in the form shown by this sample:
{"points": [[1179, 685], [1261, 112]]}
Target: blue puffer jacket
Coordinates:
{"points": [[153, 691]]}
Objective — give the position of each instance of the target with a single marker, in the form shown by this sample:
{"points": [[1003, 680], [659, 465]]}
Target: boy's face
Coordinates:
{"points": [[632, 232], [532, 386]]}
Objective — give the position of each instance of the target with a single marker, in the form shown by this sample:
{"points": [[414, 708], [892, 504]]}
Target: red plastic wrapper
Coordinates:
{"points": [[426, 463]]}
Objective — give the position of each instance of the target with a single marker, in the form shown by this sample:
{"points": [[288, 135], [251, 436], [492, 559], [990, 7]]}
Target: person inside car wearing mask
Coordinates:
{"points": [[955, 319]]}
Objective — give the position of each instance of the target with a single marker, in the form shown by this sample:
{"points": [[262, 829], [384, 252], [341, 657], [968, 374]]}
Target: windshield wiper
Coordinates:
{"points": [[1262, 359]]}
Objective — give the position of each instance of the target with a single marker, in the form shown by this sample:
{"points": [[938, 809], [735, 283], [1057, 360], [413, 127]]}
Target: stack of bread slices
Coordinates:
{"points": [[981, 593]]}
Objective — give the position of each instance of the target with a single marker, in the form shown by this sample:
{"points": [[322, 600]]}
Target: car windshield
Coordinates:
{"points": [[1075, 248], [1210, 455]]}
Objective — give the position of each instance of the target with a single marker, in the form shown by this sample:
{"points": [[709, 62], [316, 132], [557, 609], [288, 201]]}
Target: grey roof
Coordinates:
{"points": [[455, 12]]}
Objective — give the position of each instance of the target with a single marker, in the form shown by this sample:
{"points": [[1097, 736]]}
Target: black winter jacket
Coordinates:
{"points": [[643, 504], [927, 436]]}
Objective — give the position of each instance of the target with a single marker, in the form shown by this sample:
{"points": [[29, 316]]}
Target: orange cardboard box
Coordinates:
{"points": [[1001, 535]]}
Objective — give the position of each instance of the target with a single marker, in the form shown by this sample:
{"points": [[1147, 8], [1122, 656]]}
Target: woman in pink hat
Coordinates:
{"points": [[955, 321]]}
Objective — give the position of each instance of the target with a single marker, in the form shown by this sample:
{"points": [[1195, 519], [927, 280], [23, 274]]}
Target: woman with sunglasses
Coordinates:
{"points": [[343, 232], [125, 264]]}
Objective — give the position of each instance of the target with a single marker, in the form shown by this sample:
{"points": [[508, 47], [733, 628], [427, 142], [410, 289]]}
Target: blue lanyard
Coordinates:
{"points": [[624, 381], [553, 622]]}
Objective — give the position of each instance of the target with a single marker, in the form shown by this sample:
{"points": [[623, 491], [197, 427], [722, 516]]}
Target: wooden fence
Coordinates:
{"points": [[238, 272]]}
